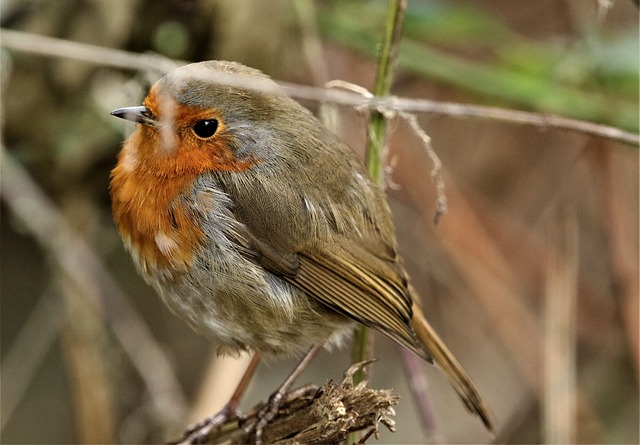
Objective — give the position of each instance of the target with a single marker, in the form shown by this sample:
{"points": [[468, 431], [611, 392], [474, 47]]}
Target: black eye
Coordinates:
{"points": [[206, 128]]}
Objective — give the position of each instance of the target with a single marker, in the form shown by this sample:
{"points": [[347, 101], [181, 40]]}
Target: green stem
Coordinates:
{"points": [[387, 57], [374, 158]]}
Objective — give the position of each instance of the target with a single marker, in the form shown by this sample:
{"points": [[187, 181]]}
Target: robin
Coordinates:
{"points": [[259, 226]]}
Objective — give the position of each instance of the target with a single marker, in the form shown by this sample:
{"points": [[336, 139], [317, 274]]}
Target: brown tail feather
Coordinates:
{"points": [[451, 368]]}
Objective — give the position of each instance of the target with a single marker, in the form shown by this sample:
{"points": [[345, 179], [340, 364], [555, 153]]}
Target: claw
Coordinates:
{"points": [[199, 432], [266, 414]]}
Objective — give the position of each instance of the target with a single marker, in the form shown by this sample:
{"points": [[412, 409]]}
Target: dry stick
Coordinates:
{"points": [[97, 55], [542, 120], [52, 47], [313, 415], [83, 266], [86, 365], [560, 313], [436, 172], [412, 120]]}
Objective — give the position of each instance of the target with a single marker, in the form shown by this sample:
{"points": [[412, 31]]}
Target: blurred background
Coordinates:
{"points": [[531, 277]]}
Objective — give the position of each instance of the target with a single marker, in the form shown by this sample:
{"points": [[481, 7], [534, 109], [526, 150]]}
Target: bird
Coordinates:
{"points": [[259, 226]]}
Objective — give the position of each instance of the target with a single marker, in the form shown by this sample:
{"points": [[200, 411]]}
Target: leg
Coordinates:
{"points": [[198, 432], [270, 410]]}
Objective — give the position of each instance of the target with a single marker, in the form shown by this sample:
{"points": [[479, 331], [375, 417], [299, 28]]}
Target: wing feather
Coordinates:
{"points": [[355, 292]]}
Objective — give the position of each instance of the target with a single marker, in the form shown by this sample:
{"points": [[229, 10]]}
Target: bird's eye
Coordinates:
{"points": [[206, 128]]}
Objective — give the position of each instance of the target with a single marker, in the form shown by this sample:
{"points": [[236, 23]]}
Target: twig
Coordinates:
{"points": [[560, 313], [543, 121], [87, 367], [312, 415], [436, 172], [97, 55], [52, 47]]}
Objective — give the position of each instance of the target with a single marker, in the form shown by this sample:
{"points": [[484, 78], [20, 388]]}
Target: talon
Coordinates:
{"points": [[265, 415], [198, 432]]}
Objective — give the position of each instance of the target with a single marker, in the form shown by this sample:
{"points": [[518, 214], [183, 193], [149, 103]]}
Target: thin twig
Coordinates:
{"points": [[436, 172], [86, 366], [543, 121], [560, 313], [52, 47], [97, 55]]}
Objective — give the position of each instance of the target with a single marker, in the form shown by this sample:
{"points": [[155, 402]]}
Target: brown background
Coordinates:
{"points": [[483, 272]]}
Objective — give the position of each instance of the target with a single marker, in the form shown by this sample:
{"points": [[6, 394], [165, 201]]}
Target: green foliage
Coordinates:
{"points": [[593, 77]]}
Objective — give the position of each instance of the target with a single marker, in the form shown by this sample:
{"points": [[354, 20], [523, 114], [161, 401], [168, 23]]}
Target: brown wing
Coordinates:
{"points": [[340, 279], [353, 290]]}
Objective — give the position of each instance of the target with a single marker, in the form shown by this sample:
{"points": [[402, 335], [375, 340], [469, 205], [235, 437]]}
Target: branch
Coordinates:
{"points": [[312, 415], [436, 172], [97, 55], [52, 47], [542, 120]]}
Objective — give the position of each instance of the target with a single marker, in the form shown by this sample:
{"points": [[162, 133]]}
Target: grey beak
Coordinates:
{"points": [[141, 115]]}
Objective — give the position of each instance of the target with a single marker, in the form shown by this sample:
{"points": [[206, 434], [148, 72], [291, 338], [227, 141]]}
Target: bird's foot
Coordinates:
{"points": [[200, 431], [265, 415]]}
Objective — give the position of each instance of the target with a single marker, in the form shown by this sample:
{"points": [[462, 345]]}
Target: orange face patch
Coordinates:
{"points": [[174, 148], [155, 166]]}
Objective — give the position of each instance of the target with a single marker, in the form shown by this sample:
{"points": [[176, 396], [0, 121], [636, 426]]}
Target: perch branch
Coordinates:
{"points": [[313, 415]]}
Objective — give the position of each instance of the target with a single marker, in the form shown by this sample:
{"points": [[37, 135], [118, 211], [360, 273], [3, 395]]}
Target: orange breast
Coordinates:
{"points": [[159, 230], [156, 166]]}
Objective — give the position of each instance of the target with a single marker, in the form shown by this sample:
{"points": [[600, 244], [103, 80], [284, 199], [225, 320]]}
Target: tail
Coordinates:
{"points": [[451, 368]]}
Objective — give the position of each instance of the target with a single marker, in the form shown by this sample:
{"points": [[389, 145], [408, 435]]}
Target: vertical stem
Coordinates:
{"points": [[387, 58], [374, 158], [560, 307]]}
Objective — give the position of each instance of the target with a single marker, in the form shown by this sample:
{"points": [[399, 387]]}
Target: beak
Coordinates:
{"points": [[141, 115]]}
